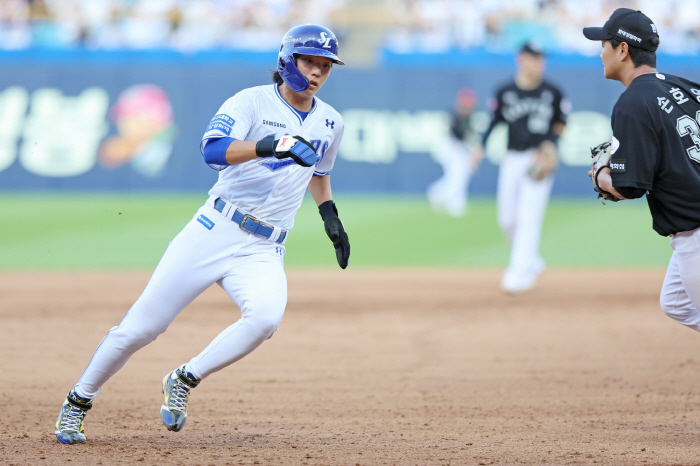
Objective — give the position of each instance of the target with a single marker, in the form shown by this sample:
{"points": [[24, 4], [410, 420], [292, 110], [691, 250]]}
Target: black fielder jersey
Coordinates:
{"points": [[530, 114], [656, 146]]}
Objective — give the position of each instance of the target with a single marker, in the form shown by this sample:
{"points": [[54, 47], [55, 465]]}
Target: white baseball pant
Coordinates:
{"points": [[680, 294], [249, 268], [521, 206], [449, 192]]}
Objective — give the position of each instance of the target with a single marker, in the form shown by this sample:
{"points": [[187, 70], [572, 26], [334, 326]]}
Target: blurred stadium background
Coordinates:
{"points": [[103, 103]]}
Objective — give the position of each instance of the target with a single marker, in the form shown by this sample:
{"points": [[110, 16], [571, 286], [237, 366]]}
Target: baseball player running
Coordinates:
{"points": [[535, 112], [269, 143], [449, 192], [655, 150]]}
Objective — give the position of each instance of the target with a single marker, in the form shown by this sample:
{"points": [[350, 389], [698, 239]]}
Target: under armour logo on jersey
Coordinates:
{"points": [[325, 41], [331, 123]]}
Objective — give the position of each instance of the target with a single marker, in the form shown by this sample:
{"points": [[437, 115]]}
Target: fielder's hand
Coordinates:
{"points": [[545, 162], [294, 147], [336, 232], [600, 156]]}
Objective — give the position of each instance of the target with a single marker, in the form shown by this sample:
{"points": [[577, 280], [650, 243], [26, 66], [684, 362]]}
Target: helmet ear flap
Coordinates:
{"points": [[291, 75]]}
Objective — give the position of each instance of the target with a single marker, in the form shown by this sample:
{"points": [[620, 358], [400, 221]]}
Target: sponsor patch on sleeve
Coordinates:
{"points": [[618, 165], [222, 123]]}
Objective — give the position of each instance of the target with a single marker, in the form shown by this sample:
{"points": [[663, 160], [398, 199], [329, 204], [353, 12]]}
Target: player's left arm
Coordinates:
{"points": [[320, 189], [546, 154], [627, 170], [605, 183], [624, 193]]}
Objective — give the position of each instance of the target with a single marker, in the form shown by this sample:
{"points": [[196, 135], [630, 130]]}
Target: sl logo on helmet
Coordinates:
{"points": [[325, 40]]}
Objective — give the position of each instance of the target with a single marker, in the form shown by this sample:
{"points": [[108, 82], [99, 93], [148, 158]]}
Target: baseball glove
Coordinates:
{"points": [[545, 162], [600, 156]]}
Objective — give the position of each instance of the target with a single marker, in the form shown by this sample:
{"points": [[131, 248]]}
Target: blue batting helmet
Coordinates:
{"points": [[309, 39]]}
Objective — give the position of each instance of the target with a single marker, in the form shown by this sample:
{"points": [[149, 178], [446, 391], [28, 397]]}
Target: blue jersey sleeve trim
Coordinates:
{"points": [[215, 151]]}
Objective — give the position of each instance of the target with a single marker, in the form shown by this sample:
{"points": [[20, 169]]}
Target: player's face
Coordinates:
{"points": [[608, 56], [316, 70], [531, 65]]}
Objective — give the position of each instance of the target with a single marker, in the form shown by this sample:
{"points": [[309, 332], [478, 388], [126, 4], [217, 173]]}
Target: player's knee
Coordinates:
{"points": [[265, 322], [507, 226], [671, 308], [266, 325], [667, 306]]}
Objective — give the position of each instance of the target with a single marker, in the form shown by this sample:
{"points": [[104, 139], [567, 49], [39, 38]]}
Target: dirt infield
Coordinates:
{"points": [[369, 367]]}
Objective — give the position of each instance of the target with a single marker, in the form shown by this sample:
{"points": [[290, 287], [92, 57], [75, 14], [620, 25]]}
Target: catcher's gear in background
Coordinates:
{"points": [[546, 161], [336, 232], [309, 39], [294, 147], [600, 155]]}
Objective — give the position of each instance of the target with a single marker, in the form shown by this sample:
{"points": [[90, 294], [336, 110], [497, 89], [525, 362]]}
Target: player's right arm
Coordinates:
{"points": [[224, 142], [228, 151], [495, 104]]}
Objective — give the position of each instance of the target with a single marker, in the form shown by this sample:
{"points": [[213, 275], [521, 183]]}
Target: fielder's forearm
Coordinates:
{"points": [[320, 189], [605, 183]]}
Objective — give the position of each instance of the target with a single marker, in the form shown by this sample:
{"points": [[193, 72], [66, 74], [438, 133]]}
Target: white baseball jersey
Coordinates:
{"points": [[270, 189]]}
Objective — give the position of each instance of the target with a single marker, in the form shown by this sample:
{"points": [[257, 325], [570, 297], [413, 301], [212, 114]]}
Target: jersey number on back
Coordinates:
{"points": [[686, 126]]}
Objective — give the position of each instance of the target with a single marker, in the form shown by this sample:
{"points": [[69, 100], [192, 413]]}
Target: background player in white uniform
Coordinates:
{"points": [[236, 239], [655, 151], [449, 193], [535, 112]]}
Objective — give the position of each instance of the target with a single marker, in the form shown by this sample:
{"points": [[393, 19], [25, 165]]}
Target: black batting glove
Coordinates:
{"points": [[294, 147], [336, 232]]}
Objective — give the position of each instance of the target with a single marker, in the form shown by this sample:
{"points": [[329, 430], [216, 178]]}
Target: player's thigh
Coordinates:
{"points": [[534, 196], [687, 251], [672, 288], [194, 260], [258, 285], [511, 172]]}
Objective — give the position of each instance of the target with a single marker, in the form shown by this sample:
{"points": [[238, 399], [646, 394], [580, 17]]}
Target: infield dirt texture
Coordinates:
{"points": [[368, 367]]}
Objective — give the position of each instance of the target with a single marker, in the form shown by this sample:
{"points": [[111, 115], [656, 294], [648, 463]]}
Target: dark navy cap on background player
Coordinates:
{"points": [[531, 48], [627, 25]]}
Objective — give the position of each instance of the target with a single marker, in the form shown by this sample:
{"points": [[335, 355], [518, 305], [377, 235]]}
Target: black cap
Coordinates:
{"points": [[531, 48], [627, 25]]}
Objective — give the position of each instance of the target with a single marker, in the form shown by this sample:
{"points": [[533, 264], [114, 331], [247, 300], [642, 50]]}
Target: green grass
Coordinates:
{"points": [[97, 231]]}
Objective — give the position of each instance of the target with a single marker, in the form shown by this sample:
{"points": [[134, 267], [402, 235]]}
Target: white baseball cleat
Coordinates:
{"points": [[176, 391], [515, 283], [69, 427]]}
